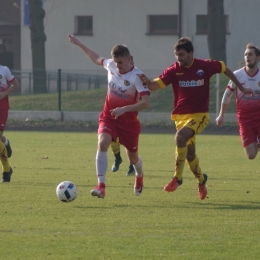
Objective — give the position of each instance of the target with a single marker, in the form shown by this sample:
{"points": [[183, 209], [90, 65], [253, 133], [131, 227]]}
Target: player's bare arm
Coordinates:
{"points": [[229, 73], [141, 105], [220, 119], [93, 56], [152, 85], [224, 104]]}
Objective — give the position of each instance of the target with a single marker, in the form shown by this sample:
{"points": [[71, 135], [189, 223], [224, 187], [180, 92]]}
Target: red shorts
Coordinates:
{"points": [[3, 118], [126, 134], [249, 132]]}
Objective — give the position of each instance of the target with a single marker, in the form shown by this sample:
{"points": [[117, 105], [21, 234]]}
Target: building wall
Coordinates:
{"points": [[10, 16], [125, 22]]}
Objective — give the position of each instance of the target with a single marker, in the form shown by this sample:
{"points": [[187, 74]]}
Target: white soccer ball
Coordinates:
{"points": [[66, 191]]}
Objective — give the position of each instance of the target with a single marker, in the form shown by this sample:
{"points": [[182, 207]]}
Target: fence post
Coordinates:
{"points": [[217, 94], [30, 83], [59, 89]]}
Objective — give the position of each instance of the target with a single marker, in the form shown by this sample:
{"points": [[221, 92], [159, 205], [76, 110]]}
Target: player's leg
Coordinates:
{"points": [[193, 163], [137, 163], [7, 170], [251, 150], [131, 170], [194, 166], [181, 138], [118, 159], [258, 136], [129, 135], [104, 141], [7, 145], [199, 123], [249, 139], [187, 128]]}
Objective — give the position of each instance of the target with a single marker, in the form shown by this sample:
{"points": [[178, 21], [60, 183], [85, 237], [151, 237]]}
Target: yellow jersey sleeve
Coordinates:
{"points": [[160, 82], [223, 66]]}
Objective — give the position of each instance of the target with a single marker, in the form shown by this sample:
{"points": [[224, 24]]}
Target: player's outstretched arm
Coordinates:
{"points": [[93, 56], [229, 73], [151, 85]]}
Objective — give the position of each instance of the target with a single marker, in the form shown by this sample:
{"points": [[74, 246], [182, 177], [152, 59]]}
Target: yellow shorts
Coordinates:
{"points": [[197, 122]]}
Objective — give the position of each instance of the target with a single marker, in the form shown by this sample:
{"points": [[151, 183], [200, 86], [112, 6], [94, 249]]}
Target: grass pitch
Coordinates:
{"points": [[156, 225]]}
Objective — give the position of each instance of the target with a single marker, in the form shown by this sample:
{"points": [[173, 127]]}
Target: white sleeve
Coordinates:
{"points": [[227, 95], [8, 74], [106, 63], [140, 87]]}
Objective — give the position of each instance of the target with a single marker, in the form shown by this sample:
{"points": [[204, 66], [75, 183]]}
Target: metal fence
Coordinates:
{"points": [[62, 81], [68, 81]]}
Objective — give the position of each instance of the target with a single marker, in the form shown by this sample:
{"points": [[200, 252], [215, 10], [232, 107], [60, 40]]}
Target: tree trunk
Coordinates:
{"points": [[216, 30], [38, 39]]}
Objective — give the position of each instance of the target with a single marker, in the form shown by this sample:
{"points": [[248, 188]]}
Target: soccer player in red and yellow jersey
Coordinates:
{"points": [[190, 80]]}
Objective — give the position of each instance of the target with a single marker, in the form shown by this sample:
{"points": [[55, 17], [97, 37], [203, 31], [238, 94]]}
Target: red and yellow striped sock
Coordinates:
{"points": [[196, 170], [181, 154], [4, 158]]}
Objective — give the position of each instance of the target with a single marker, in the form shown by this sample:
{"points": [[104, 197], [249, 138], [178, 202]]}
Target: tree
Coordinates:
{"points": [[38, 38], [216, 30]]}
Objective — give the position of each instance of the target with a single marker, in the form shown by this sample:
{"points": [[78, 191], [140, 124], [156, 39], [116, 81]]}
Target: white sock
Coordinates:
{"points": [[139, 167], [101, 166]]}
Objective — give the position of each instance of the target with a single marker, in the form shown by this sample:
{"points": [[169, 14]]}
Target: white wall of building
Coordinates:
{"points": [[125, 22]]}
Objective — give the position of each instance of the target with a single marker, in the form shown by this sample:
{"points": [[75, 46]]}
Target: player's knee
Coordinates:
{"points": [[103, 146], [251, 156], [133, 158], [190, 157], [180, 140]]}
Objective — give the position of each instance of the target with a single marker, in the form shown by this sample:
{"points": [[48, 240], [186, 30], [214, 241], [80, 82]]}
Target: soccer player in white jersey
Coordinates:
{"points": [[118, 120], [6, 79], [248, 107]]}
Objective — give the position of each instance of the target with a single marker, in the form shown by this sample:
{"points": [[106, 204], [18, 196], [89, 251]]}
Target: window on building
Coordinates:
{"points": [[84, 25], [202, 24], [162, 24]]}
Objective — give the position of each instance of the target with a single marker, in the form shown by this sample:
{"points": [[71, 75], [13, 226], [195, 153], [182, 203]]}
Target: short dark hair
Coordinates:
{"points": [[184, 43], [120, 51], [255, 48]]}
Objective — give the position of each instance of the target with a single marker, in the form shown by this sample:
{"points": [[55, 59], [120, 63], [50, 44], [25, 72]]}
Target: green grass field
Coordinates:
{"points": [[156, 225]]}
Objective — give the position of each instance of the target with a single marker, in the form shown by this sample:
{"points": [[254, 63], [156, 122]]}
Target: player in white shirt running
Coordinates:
{"points": [[248, 106], [118, 120]]}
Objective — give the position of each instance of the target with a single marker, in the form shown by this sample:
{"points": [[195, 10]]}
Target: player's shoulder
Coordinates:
{"points": [[173, 66], [240, 71], [205, 61], [135, 70], [108, 61], [4, 69]]}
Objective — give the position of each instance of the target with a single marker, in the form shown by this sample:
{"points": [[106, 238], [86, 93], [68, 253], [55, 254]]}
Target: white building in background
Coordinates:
{"points": [[137, 23]]}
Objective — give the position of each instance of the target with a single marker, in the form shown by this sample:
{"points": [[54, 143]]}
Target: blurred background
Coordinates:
{"points": [[35, 46]]}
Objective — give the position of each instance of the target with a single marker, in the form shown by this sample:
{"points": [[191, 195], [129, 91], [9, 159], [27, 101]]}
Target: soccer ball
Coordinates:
{"points": [[66, 191]]}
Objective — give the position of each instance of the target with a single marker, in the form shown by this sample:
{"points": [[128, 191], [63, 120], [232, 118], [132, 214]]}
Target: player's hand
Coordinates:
{"points": [[2, 95], [248, 91], [73, 39], [117, 111], [143, 78], [220, 120]]}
